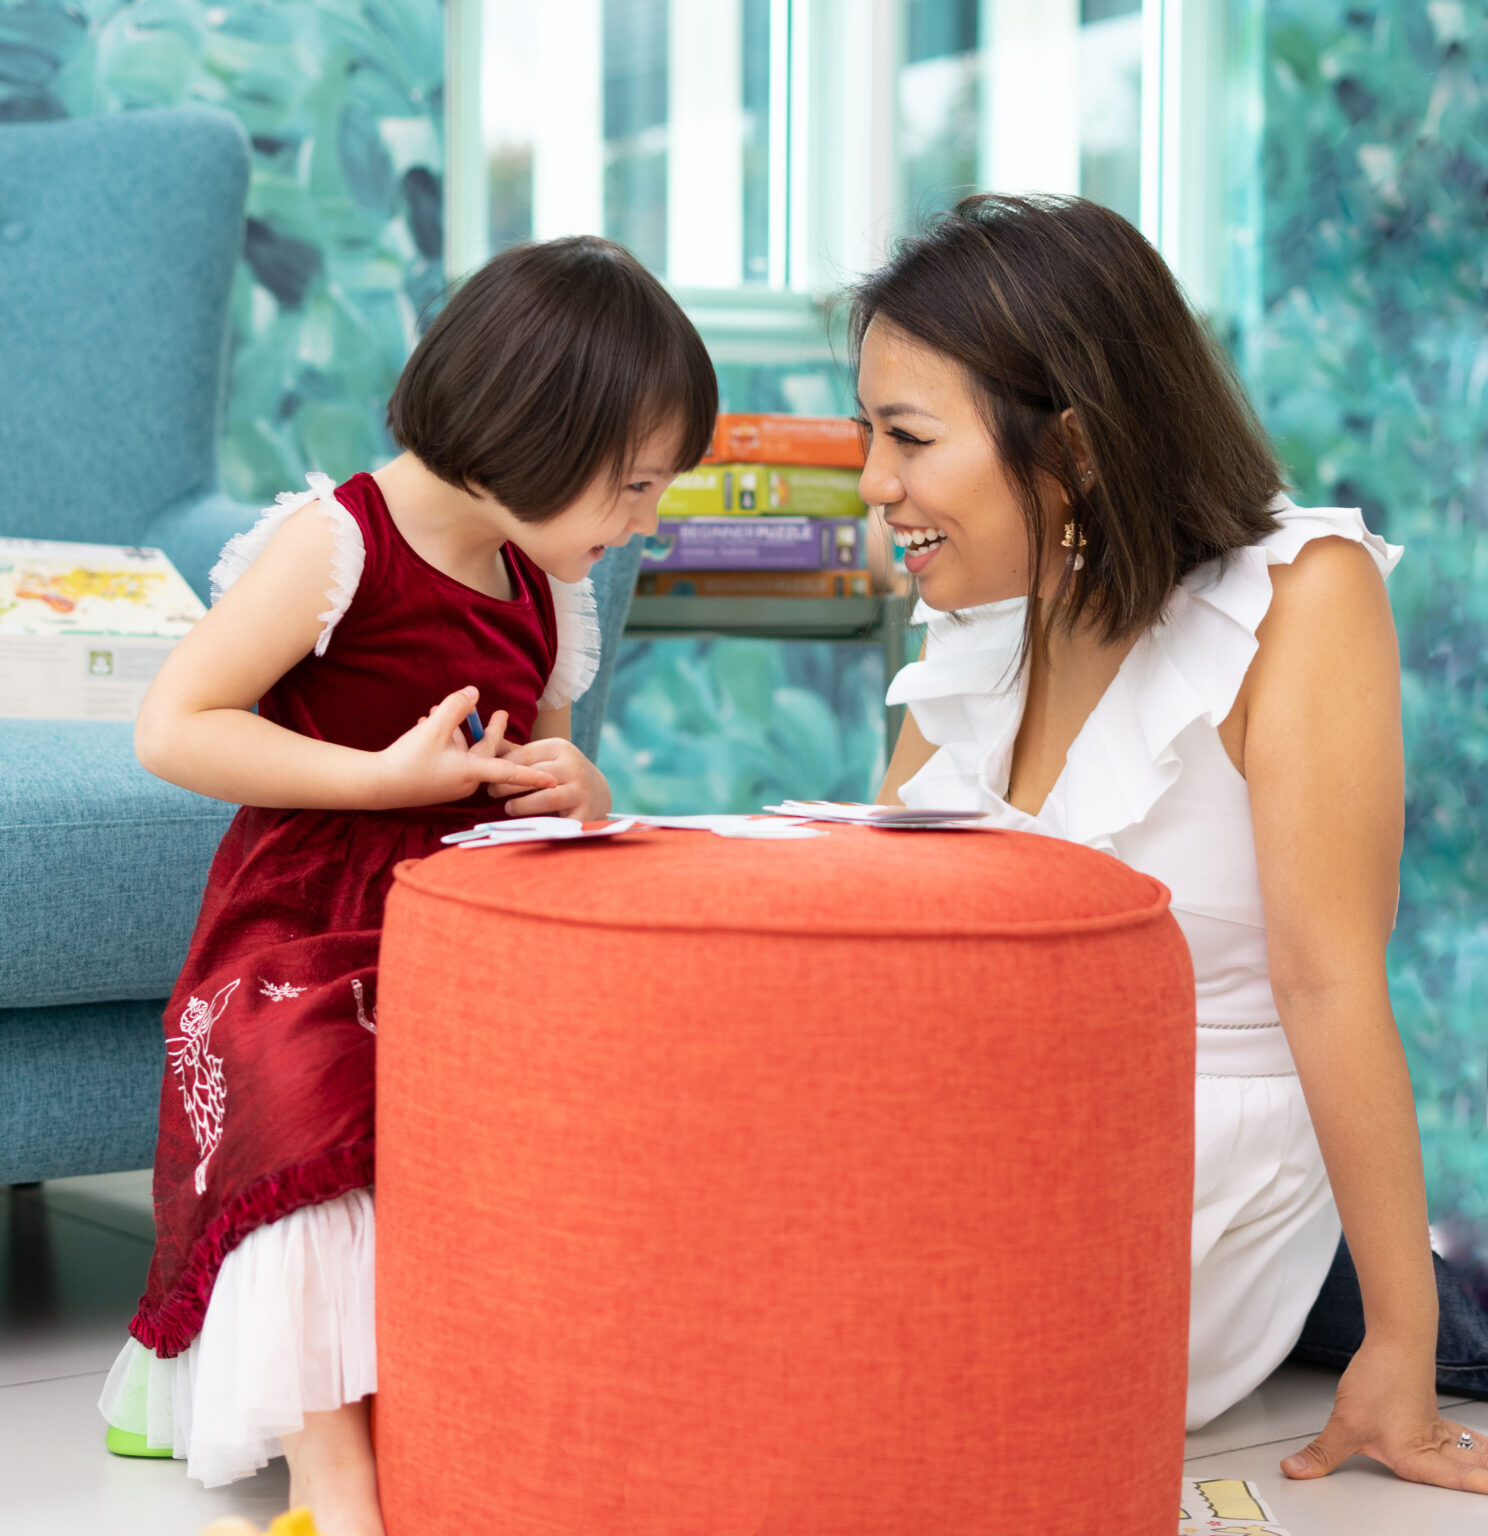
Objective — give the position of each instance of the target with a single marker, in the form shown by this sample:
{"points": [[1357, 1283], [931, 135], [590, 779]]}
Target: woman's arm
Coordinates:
{"points": [[196, 726], [1323, 761], [911, 753]]}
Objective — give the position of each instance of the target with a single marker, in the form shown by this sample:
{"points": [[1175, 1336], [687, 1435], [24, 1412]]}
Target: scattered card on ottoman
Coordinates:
{"points": [[899, 817]]}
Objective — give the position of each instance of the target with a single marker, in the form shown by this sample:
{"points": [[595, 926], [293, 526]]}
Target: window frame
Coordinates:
{"points": [[833, 134]]}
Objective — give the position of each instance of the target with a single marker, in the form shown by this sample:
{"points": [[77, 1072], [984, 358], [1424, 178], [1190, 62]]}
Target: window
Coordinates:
{"points": [[1019, 95], [635, 124], [759, 154], [649, 121], [776, 147], [1110, 64], [939, 103]]}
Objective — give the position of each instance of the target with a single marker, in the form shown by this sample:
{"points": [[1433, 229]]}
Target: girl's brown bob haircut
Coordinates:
{"points": [[1054, 305], [548, 369]]}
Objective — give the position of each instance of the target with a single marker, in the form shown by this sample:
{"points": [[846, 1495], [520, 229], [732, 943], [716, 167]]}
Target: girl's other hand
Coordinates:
{"points": [[432, 763], [579, 788], [1386, 1409]]}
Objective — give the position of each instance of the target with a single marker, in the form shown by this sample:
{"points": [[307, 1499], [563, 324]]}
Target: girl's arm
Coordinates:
{"points": [[196, 726], [1323, 761], [554, 723], [578, 788]]}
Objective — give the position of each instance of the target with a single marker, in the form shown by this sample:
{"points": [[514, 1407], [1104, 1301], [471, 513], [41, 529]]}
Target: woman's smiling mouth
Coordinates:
{"points": [[920, 545]]}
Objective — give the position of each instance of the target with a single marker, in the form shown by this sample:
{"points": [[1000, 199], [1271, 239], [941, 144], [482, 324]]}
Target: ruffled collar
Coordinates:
{"points": [[968, 694]]}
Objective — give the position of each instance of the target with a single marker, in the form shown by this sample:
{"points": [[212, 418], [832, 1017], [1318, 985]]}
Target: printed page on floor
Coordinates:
{"points": [[1223, 1506]]}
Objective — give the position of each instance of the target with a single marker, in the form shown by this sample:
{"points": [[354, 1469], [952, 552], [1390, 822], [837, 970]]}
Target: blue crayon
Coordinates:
{"points": [[472, 723]]}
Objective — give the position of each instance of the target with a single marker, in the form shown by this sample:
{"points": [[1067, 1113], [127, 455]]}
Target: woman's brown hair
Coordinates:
{"points": [[547, 369], [1055, 304]]}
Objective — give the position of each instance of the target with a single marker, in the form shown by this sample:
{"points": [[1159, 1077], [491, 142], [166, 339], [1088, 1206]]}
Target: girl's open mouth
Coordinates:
{"points": [[920, 546]]}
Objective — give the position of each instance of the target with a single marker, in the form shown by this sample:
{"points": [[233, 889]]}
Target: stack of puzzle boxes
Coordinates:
{"points": [[772, 511]]}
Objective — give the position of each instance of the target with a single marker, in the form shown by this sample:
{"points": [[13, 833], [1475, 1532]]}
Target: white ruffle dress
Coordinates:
{"points": [[290, 1326], [1148, 780]]}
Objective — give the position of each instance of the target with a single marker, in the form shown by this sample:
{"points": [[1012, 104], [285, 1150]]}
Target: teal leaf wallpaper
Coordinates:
{"points": [[1370, 366], [731, 725], [344, 103]]}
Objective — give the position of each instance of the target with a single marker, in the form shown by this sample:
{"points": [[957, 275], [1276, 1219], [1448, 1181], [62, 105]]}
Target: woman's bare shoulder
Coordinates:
{"points": [[1329, 600], [1332, 570], [1329, 620]]}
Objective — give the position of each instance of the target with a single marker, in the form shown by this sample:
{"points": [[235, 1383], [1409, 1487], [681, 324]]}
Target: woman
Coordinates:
{"points": [[1136, 642]]}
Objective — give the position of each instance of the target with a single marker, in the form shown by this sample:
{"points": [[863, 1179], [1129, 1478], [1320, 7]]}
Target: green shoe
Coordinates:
{"points": [[122, 1443]]}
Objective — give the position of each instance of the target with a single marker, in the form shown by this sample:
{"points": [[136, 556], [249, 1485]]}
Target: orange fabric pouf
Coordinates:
{"points": [[838, 1187]]}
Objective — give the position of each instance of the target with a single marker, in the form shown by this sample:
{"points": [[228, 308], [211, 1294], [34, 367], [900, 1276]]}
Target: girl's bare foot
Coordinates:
{"points": [[333, 1473]]}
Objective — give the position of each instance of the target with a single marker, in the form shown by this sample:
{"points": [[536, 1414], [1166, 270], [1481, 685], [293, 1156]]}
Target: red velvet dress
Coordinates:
{"points": [[267, 1103]]}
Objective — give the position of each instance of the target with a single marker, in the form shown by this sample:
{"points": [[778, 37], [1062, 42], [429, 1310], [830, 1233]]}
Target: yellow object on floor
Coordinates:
{"points": [[298, 1522], [1224, 1506]]}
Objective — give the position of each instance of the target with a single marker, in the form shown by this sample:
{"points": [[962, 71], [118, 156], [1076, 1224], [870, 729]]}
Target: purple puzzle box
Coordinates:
{"points": [[756, 544]]}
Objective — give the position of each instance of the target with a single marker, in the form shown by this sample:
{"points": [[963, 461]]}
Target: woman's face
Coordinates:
{"points": [[936, 472]]}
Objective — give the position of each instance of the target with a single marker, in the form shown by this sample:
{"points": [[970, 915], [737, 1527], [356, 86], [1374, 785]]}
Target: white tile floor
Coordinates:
{"points": [[92, 1237]]}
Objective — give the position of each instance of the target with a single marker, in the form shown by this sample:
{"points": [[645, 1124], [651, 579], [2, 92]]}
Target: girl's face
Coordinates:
{"points": [[936, 472], [568, 544]]}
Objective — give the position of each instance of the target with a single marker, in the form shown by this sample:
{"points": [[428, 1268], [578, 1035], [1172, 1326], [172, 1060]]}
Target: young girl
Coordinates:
{"points": [[541, 418]]}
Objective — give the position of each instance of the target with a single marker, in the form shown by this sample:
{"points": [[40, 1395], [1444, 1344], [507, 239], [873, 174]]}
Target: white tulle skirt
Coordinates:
{"points": [[289, 1331]]}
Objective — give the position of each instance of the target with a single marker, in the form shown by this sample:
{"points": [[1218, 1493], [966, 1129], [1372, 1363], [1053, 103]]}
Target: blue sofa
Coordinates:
{"points": [[119, 238]]}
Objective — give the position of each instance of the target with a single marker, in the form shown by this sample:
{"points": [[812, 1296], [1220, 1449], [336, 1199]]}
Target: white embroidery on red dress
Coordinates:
{"points": [[203, 1087], [358, 992], [279, 991]]}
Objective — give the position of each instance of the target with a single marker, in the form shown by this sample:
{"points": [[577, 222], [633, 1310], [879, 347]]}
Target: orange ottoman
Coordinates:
{"points": [[826, 1188]]}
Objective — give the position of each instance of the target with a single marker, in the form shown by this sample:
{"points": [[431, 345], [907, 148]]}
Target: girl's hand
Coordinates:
{"points": [[1386, 1408], [579, 788], [432, 764]]}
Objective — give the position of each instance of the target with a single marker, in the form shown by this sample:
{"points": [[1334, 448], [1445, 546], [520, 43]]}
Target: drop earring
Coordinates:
{"points": [[1075, 544]]}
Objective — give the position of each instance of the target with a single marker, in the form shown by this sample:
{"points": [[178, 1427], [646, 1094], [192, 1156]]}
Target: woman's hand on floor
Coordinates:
{"points": [[1386, 1409]]}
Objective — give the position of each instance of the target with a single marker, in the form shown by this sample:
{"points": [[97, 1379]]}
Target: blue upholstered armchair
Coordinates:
{"points": [[118, 242]]}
